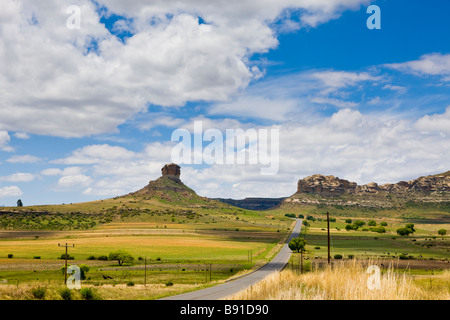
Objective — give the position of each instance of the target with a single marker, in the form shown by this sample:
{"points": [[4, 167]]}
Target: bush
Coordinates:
{"points": [[442, 232], [311, 218], [87, 294], [332, 219], [305, 223], [378, 229], [338, 256], [317, 248], [300, 216], [36, 257], [66, 294], [38, 292], [290, 215], [69, 257], [383, 224], [130, 284], [10, 255], [91, 258], [348, 221], [359, 223], [372, 223], [351, 256], [351, 227], [404, 232], [169, 284], [102, 258], [404, 257]]}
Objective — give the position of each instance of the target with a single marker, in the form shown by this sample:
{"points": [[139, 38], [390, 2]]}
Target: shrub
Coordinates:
{"points": [[290, 215], [169, 284], [91, 258], [87, 294], [410, 226], [311, 218], [348, 221], [38, 292], [36, 257], [83, 270], [69, 257], [130, 283], [404, 231], [300, 216], [351, 227], [364, 229], [10, 255], [102, 258], [442, 232], [383, 224], [317, 248], [378, 229], [359, 223], [351, 256], [332, 219], [338, 256], [372, 223], [66, 294], [305, 223]]}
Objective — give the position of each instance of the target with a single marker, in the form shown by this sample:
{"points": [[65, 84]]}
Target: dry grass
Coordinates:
{"points": [[346, 281], [105, 292]]}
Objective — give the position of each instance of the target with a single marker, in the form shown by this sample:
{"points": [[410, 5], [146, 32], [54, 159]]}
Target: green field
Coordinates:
{"points": [[195, 243]]}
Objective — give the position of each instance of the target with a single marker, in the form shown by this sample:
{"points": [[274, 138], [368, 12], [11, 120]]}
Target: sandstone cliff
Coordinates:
{"points": [[320, 189]]}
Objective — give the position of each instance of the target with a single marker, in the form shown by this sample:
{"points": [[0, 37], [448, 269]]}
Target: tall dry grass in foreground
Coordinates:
{"points": [[347, 281]]}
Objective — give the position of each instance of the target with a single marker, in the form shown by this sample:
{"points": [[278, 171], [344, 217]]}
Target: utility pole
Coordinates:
{"points": [[210, 267], [65, 270], [328, 227], [301, 261]]}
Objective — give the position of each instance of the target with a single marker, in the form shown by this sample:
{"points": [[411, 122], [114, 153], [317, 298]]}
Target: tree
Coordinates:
{"points": [[305, 223], [359, 223], [404, 232], [411, 226], [442, 232], [122, 256], [19, 203], [83, 270], [297, 244]]}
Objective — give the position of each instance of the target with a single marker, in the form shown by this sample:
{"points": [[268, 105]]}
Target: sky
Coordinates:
{"points": [[91, 93]]}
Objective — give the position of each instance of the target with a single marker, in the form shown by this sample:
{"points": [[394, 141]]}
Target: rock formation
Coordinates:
{"points": [[167, 185], [333, 186], [171, 171]]}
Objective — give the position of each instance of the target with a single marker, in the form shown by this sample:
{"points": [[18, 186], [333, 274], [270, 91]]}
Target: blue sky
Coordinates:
{"points": [[89, 113]]}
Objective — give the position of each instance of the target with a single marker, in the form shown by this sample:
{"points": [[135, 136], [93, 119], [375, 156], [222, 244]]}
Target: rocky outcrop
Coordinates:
{"points": [[331, 186], [172, 171], [167, 185]]}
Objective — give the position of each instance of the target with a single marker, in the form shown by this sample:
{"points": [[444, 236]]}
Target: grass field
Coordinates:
{"points": [[349, 281], [187, 245], [198, 243]]}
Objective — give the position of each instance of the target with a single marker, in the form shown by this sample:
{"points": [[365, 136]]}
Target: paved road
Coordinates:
{"points": [[229, 288]]}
